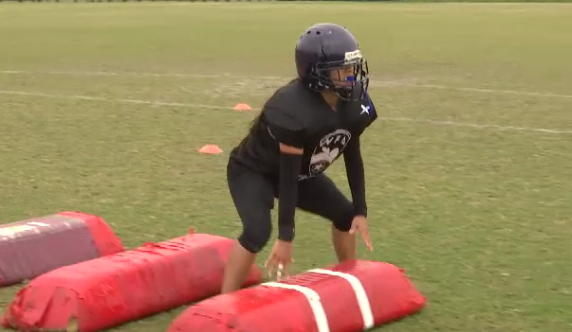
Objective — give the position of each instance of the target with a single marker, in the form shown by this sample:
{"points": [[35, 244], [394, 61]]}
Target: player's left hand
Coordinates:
{"points": [[359, 224]]}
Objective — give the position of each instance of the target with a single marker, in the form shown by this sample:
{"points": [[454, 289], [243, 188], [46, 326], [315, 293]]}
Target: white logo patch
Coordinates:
{"points": [[365, 109], [328, 150]]}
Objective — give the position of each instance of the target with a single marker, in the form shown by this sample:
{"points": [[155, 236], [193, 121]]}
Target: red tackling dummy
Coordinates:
{"points": [[108, 291], [34, 246], [348, 297]]}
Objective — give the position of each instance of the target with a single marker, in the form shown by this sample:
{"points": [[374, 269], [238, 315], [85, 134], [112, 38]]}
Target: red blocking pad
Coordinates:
{"points": [[31, 247], [347, 297], [111, 290]]}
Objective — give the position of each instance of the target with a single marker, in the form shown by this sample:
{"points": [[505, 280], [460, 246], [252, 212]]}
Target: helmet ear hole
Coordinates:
{"points": [[318, 32]]}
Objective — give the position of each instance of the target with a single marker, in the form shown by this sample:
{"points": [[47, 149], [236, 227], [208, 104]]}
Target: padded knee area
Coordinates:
{"points": [[344, 222], [255, 235]]}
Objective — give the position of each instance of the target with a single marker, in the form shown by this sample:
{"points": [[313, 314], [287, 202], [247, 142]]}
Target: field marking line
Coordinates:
{"points": [[110, 100], [481, 126], [374, 83], [193, 105], [511, 92]]}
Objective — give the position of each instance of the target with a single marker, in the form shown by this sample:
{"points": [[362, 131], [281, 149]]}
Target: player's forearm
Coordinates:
{"points": [[288, 198], [356, 176]]}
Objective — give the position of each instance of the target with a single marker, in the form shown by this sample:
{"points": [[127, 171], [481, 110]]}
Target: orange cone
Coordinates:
{"points": [[210, 149], [242, 107]]}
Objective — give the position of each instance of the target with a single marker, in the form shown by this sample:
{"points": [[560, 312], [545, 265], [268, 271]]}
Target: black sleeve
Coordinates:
{"points": [[286, 129], [288, 195], [354, 161], [356, 175]]}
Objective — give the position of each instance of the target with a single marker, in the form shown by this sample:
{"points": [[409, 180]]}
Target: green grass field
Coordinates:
{"points": [[469, 170]]}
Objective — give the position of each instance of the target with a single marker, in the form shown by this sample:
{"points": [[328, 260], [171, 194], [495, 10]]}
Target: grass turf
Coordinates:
{"points": [[103, 107]]}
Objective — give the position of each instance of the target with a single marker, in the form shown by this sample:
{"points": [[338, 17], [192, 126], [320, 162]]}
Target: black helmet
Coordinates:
{"points": [[325, 47]]}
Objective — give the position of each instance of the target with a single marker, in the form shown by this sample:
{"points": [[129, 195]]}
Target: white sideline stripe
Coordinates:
{"points": [[191, 105], [118, 74], [511, 92], [112, 100], [313, 299], [480, 126], [373, 82], [361, 295]]}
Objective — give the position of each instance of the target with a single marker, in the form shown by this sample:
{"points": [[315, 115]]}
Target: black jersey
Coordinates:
{"points": [[299, 117]]}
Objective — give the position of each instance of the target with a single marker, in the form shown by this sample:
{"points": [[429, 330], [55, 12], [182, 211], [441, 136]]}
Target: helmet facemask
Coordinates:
{"points": [[326, 76]]}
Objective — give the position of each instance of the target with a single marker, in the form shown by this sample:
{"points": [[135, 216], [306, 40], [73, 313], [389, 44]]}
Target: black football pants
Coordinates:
{"points": [[253, 195]]}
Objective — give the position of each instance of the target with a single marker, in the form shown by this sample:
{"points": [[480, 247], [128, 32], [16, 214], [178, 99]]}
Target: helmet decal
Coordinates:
{"points": [[351, 57]]}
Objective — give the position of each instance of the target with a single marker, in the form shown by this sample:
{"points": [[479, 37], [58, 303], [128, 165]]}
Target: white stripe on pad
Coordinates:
{"points": [[361, 295], [313, 299]]}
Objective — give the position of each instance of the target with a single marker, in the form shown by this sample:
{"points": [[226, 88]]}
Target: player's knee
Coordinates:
{"points": [[256, 237], [343, 222]]}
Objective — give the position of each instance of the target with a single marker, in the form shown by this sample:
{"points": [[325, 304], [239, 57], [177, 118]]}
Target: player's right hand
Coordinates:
{"points": [[280, 258]]}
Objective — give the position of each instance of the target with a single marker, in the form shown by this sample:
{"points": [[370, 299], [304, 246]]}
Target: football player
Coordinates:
{"points": [[302, 129]]}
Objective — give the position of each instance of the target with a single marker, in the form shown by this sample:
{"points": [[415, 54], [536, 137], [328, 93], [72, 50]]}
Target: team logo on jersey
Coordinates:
{"points": [[328, 150]]}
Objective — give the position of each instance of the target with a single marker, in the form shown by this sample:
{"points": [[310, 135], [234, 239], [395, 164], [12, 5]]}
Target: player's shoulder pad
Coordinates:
{"points": [[283, 119]]}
